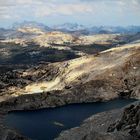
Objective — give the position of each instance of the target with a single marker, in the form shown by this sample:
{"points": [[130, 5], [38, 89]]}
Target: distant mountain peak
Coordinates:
{"points": [[70, 27], [31, 24]]}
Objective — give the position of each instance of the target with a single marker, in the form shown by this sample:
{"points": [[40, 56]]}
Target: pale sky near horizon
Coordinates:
{"points": [[86, 12]]}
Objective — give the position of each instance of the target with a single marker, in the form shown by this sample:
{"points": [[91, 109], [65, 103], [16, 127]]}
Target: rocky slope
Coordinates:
{"points": [[130, 121], [54, 38], [102, 126], [8, 134], [111, 74]]}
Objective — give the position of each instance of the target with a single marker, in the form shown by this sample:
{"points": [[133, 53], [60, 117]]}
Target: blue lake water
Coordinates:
{"points": [[46, 124]]}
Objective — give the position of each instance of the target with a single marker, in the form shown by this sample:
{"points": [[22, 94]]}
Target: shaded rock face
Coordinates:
{"points": [[105, 136], [7, 134], [130, 121]]}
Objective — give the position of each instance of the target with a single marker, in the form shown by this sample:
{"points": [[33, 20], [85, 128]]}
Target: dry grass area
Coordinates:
{"points": [[102, 38], [58, 38]]}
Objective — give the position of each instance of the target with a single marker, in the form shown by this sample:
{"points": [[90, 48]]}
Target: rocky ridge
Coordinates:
{"points": [[102, 126]]}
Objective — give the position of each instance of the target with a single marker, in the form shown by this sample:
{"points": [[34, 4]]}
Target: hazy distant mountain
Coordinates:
{"points": [[69, 27], [26, 29], [111, 29], [5, 33], [31, 24], [29, 29], [78, 28], [13, 34]]}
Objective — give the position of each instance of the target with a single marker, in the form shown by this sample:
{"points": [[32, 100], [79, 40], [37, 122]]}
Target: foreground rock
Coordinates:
{"points": [[102, 127], [7, 134], [130, 121]]}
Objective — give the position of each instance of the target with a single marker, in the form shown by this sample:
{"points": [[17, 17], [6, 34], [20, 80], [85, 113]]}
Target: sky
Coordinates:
{"points": [[86, 12]]}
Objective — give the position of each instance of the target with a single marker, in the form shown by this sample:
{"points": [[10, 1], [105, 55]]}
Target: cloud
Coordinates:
{"points": [[62, 9], [40, 8], [91, 9]]}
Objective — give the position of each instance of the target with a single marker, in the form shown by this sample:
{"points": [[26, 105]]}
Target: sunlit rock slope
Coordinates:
{"points": [[104, 76]]}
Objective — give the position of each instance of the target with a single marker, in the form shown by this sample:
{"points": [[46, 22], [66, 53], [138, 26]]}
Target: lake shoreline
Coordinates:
{"points": [[7, 132]]}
